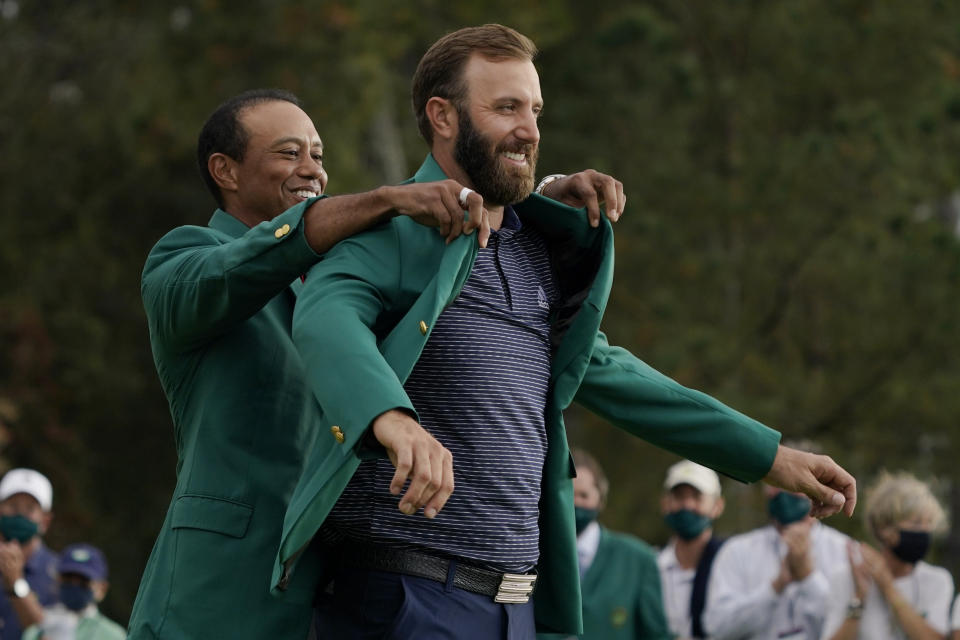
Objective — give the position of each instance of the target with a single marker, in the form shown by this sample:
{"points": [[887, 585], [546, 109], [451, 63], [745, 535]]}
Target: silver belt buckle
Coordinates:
{"points": [[515, 588]]}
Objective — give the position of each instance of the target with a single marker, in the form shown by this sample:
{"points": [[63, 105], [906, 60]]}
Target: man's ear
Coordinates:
{"points": [[444, 118], [223, 169]]}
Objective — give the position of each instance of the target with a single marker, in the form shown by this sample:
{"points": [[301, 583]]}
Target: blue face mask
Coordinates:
{"points": [[19, 528], [582, 517], [787, 508], [75, 597], [913, 545], [688, 524]]}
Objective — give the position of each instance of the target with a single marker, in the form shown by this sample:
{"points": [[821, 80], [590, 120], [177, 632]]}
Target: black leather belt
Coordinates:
{"points": [[502, 587]]}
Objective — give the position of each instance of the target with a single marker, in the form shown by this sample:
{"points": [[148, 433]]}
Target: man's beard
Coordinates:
{"points": [[499, 184]]}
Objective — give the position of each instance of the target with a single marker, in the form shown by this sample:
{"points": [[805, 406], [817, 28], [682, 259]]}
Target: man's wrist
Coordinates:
{"points": [[855, 608], [553, 177], [20, 588]]}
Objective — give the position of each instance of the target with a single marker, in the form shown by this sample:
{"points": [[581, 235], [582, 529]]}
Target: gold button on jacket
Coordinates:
{"points": [[423, 327]]}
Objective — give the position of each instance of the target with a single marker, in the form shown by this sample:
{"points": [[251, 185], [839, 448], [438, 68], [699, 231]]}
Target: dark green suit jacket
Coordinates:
{"points": [[369, 306], [219, 303], [621, 592]]}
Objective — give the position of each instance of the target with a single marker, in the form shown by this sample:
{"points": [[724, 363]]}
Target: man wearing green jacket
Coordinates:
{"points": [[219, 303], [395, 307], [619, 579]]}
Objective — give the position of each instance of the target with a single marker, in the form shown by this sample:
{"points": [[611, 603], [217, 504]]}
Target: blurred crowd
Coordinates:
{"points": [[46, 595], [795, 578]]}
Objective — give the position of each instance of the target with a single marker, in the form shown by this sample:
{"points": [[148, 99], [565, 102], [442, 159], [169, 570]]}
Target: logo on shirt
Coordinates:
{"points": [[542, 298]]}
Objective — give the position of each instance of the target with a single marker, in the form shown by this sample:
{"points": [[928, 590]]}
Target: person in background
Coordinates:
{"points": [[891, 593], [690, 503], [82, 578], [618, 572], [27, 567], [771, 583]]}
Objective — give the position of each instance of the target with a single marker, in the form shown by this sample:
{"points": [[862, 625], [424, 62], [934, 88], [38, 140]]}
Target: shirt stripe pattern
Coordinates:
{"points": [[480, 387]]}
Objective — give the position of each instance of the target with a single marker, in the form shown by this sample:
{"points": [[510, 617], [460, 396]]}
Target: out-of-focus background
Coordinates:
{"points": [[790, 243]]}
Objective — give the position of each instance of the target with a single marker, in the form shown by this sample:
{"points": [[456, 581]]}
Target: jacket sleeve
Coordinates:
{"points": [[337, 310], [197, 284], [621, 388]]}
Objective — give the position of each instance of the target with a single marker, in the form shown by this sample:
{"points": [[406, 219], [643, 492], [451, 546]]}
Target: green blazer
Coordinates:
{"points": [[365, 314], [621, 592], [219, 304]]}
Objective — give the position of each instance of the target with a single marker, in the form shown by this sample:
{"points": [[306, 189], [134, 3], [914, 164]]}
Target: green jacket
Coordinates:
{"points": [[365, 314], [621, 592], [219, 304]]}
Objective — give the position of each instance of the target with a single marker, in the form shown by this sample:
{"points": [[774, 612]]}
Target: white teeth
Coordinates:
{"points": [[519, 157], [303, 193]]}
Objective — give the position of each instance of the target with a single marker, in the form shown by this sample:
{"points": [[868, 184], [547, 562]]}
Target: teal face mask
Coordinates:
{"points": [[583, 517], [787, 508], [19, 528], [687, 524]]}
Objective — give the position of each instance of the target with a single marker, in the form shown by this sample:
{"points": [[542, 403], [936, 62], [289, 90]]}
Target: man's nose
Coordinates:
{"points": [[529, 131]]}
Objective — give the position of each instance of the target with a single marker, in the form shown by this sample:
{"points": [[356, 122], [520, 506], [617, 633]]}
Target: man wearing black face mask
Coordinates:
{"points": [[27, 566], [890, 593], [618, 572], [83, 583], [771, 583]]}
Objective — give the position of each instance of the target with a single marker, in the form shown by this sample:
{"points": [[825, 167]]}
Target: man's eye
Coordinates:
{"points": [[318, 157], [289, 152]]}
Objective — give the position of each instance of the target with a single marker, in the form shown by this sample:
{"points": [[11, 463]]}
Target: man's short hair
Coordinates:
{"points": [[440, 72], [583, 460], [223, 132]]}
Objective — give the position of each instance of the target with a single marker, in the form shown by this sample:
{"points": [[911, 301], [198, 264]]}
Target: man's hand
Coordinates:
{"points": [[437, 204], [877, 567], [819, 477], [11, 562], [418, 457], [589, 189], [796, 537]]}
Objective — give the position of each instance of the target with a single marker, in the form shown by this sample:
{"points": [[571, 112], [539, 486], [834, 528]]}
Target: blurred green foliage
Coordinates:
{"points": [[789, 245]]}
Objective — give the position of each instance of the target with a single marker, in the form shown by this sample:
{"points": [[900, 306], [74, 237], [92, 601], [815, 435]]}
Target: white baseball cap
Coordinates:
{"points": [[30, 482], [697, 476]]}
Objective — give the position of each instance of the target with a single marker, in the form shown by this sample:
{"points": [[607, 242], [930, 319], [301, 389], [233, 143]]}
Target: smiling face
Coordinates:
{"points": [[281, 166], [498, 139]]}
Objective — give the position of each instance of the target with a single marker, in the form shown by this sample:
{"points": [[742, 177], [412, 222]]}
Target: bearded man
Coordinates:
{"points": [[482, 350]]}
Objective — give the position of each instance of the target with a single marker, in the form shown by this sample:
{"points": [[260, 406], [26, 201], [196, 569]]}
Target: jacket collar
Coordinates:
{"points": [[223, 221]]}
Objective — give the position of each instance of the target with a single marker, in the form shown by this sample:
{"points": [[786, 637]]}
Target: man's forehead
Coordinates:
{"points": [[489, 79], [276, 121]]}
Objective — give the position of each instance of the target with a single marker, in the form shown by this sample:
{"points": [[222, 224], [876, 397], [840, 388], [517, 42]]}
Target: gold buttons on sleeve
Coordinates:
{"points": [[423, 327], [281, 231], [337, 434]]}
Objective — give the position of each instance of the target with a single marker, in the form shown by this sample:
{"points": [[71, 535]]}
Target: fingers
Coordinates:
{"points": [[437, 501], [593, 207], [484, 236], [454, 217], [475, 212], [611, 198]]}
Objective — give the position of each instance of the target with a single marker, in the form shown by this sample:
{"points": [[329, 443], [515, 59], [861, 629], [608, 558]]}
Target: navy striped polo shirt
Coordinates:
{"points": [[480, 388]]}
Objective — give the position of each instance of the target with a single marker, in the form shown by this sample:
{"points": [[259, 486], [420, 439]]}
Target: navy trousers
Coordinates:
{"points": [[379, 605]]}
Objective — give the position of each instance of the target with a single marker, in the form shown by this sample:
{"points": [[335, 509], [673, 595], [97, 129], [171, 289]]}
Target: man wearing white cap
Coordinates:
{"points": [[690, 503], [27, 567]]}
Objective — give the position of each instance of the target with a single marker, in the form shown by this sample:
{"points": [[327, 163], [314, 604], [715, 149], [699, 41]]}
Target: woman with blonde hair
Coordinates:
{"points": [[892, 592]]}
